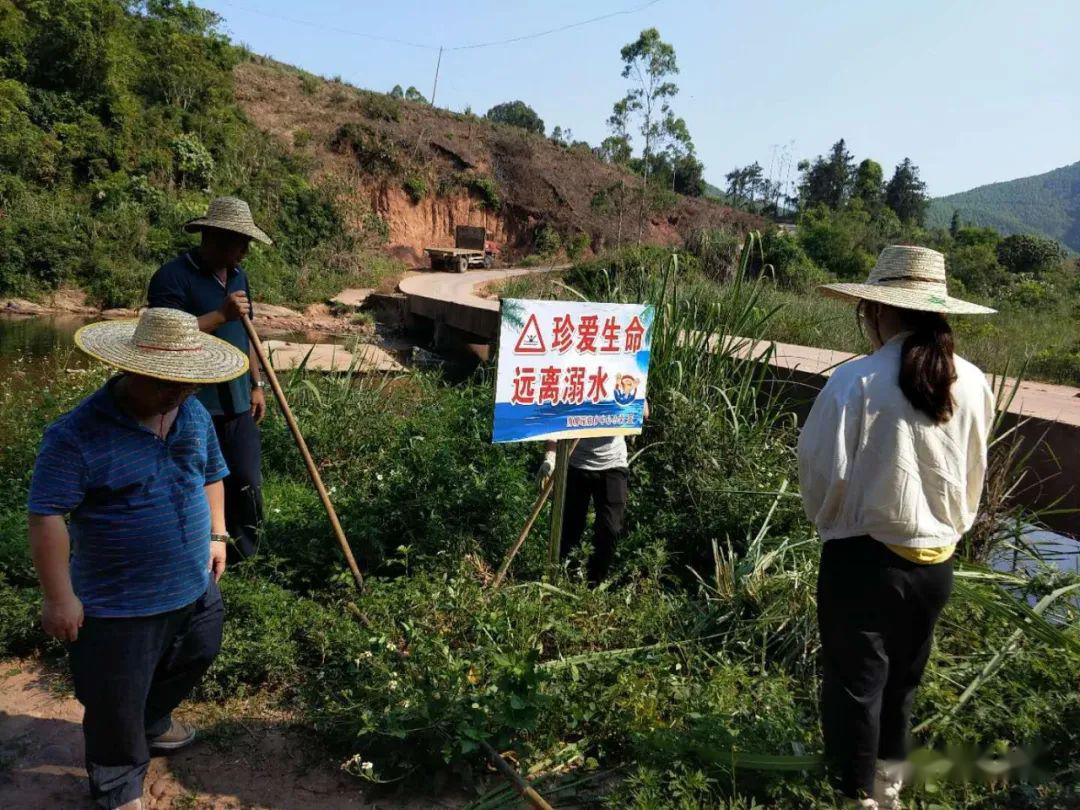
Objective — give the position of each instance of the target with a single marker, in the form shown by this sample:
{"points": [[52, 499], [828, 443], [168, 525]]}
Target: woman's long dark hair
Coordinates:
{"points": [[927, 370]]}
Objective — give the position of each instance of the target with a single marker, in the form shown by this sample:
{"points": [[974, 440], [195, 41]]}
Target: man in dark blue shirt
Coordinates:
{"points": [[130, 581], [209, 283]]}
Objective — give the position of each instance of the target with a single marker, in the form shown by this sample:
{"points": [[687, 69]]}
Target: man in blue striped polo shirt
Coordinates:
{"points": [[130, 582]]}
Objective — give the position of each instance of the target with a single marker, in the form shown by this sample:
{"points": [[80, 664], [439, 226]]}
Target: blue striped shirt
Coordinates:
{"points": [[139, 519]]}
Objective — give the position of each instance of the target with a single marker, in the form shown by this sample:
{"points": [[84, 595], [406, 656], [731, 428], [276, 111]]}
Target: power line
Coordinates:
{"points": [[424, 46], [335, 29], [561, 28]]}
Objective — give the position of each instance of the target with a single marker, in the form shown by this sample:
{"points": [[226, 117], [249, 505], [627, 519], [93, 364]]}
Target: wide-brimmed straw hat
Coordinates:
{"points": [[908, 277], [229, 214], [165, 344]]}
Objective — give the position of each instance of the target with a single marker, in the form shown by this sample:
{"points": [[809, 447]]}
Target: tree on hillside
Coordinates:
{"points": [[516, 114], [650, 64], [1028, 253], [906, 194], [827, 181], [615, 149], [744, 183], [749, 188], [560, 136], [681, 160], [971, 235], [869, 185], [412, 94], [954, 223]]}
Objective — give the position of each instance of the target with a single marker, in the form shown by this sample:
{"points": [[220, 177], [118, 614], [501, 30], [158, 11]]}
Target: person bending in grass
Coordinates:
{"points": [[599, 471], [891, 465], [130, 583]]}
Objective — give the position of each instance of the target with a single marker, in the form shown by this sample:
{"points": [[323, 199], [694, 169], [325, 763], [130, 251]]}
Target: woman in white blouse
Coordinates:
{"points": [[891, 467]]}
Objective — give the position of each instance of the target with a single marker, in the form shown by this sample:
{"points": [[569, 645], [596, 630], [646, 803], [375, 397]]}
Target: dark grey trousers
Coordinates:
{"points": [[129, 675], [241, 446], [607, 490]]}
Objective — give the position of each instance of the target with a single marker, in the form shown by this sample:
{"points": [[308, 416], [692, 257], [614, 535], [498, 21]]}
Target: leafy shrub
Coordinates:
{"points": [[374, 151], [596, 277], [259, 646], [1031, 293], [516, 114], [193, 161], [416, 187], [1027, 253], [41, 243], [546, 240], [20, 609], [380, 107], [308, 218], [834, 242], [791, 267], [486, 189], [301, 138], [1059, 364], [975, 266], [971, 236], [577, 246], [717, 251], [309, 84]]}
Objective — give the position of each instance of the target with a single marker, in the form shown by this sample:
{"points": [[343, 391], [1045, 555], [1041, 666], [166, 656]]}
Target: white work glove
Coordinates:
{"points": [[547, 467]]}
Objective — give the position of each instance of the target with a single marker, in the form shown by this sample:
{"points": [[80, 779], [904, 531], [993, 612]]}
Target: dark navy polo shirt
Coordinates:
{"points": [[139, 519], [184, 284]]}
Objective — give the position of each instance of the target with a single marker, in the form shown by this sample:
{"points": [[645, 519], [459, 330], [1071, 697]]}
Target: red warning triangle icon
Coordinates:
{"points": [[531, 340]]}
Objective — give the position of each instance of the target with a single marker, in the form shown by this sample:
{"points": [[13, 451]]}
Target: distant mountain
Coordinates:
{"points": [[1048, 204], [713, 191]]}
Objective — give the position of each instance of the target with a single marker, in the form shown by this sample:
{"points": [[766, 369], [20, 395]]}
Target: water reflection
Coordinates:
{"points": [[1041, 544], [23, 337]]}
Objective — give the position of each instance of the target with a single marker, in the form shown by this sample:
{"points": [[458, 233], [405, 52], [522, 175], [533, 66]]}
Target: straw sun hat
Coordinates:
{"points": [[165, 344], [908, 277], [229, 214]]}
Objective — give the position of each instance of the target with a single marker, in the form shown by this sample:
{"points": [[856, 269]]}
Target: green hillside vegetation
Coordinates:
{"points": [[1046, 204], [120, 120], [118, 126]]}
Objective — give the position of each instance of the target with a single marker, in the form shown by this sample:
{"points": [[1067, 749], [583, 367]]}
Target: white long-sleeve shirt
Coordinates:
{"points": [[870, 463]]}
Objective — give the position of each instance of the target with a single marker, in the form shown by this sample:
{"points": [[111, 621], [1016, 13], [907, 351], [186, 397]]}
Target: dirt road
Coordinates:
{"points": [[242, 762]]}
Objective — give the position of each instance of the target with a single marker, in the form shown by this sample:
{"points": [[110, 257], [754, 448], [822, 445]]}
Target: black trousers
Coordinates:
{"points": [[241, 446], [876, 614], [607, 490], [129, 675]]}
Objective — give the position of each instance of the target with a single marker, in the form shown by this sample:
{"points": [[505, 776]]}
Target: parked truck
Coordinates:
{"points": [[471, 249]]}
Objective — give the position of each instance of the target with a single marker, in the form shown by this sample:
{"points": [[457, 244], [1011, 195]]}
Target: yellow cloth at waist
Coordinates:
{"points": [[923, 556]]}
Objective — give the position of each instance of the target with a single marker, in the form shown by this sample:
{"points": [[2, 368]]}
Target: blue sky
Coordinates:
{"points": [[974, 92]]}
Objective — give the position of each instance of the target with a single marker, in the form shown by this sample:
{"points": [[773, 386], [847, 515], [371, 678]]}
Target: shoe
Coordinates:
{"points": [[134, 804], [178, 736], [888, 782]]}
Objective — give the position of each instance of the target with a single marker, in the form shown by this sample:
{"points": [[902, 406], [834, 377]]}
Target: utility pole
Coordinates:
{"points": [[435, 86]]}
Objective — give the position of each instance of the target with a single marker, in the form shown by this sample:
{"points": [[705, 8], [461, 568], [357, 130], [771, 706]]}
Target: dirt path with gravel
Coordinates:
{"points": [[243, 761]]}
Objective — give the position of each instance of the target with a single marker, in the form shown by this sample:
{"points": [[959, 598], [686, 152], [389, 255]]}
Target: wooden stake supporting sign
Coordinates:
{"points": [[563, 449], [534, 513]]}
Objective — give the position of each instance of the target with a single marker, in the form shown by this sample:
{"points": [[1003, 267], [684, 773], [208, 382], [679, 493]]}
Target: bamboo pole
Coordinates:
{"points": [[524, 789], [562, 464], [313, 471], [538, 504]]}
